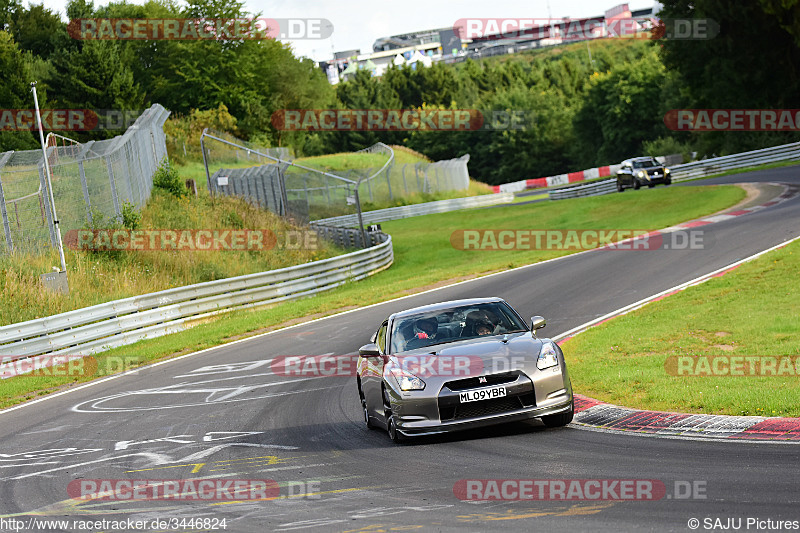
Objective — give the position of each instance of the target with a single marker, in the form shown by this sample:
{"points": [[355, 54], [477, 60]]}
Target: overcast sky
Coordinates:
{"points": [[358, 23]]}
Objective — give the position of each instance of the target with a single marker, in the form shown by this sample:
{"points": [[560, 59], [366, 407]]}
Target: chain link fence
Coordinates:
{"points": [[269, 179], [395, 181], [89, 180]]}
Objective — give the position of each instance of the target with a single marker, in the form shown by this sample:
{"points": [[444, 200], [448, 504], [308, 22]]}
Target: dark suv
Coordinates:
{"points": [[640, 171]]}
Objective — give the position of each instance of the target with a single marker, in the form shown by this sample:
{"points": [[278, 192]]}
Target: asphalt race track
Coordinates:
{"points": [[222, 413]]}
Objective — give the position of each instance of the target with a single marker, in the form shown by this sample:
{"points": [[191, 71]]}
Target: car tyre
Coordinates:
{"points": [[367, 419], [651, 185], [620, 188], [560, 419], [668, 183], [391, 428], [391, 425], [636, 184]]}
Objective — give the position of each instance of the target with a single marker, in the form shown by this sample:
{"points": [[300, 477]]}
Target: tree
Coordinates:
{"points": [[15, 92], [754, 62], [37, 29], [620, 111]]}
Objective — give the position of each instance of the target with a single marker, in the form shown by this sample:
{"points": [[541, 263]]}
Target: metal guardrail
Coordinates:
{"points": [[690, 171], [121, 322], [348, 237], [590, 189], [706, 167], [427, 208]]}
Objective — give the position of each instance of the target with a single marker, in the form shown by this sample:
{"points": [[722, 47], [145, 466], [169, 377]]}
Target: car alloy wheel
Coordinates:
{"points": [[391, 428]]}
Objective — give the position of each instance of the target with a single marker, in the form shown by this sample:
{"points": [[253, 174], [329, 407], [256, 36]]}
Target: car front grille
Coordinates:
{"points": [[486, 407], [473, 383]]}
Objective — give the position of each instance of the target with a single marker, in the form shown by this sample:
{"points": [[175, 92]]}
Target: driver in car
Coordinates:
{"points": [[425, 330], [483, 328]]}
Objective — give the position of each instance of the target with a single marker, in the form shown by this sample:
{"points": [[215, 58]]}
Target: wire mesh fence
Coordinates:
{"points": [[310, 194], [395, 181], [268, 177], [89, 180]]}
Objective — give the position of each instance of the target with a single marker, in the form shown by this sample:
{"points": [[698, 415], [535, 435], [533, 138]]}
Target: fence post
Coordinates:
{"points": [[405, 185], [48, 211], [389, 180], [81, 157], [6, 226], [113, 184], [360, 218], [284, 195], [305, 189]]}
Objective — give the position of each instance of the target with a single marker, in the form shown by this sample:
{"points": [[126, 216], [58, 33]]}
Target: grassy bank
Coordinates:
{"points": [[751, 311], [97, 277], [424, 257], [405, 183]]}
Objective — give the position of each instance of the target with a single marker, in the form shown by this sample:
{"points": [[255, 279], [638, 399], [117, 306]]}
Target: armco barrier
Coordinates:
{"points": [[698, 169], [706, 167], [407, 211], [100, 327], [348, 237], [590, 189]]}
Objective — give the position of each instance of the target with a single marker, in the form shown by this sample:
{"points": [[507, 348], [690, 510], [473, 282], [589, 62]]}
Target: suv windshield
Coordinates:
{"points": [[453, 324], [647, 163]]}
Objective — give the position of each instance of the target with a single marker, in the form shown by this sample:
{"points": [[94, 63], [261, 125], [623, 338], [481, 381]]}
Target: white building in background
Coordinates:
{"points": [[446, 44]]}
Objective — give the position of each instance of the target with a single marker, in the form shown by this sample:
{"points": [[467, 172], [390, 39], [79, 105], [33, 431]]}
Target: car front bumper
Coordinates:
{"points": [[557, 402]]}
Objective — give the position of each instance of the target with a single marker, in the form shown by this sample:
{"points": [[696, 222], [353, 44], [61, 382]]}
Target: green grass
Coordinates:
{"points": [[750, 311], [97, 277], [519, 199], [328, 197], [424, 258]]}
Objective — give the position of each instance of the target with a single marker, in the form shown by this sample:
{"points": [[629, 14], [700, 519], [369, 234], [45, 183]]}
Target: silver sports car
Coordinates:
{"points": [[461, 365]]}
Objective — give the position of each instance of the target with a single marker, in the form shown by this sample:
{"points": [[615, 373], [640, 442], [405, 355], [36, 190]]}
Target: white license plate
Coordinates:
{"points": [[482, 394]]}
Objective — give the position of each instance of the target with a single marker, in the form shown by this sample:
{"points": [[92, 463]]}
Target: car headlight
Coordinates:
{"points": [[641, 173], [666, 171], [406, 380], [547, 356]]}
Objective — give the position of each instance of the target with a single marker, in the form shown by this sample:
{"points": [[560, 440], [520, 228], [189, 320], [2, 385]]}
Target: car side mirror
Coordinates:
{"points": [[369, 350], [537, 322]]}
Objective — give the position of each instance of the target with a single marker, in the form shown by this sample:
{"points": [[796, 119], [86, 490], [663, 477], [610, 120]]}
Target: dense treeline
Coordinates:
{"points": [[580, 113], [251, 77]]}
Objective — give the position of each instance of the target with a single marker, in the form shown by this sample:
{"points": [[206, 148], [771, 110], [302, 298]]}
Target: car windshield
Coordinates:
{"points": [[453, 324], [645, 163]]}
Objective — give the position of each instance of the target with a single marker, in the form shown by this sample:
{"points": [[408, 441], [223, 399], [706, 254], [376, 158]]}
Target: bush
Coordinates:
{"points": [[666, 146], [131, 216], [168, 179]]}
